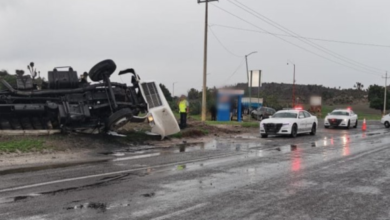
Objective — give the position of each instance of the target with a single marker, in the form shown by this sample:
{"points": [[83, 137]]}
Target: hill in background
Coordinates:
{"points": [[330, 96]]}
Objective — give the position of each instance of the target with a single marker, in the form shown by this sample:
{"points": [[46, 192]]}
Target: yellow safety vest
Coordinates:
{"points": [[183, 106]]}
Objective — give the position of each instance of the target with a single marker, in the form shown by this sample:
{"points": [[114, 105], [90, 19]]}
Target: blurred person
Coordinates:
{"points": [[183, 110]]}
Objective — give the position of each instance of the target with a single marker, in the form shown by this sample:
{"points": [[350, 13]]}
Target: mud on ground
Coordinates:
{"points": [[76, 148]]}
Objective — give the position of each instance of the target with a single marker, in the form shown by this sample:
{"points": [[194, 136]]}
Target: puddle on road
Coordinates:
{"points": [[100, 182], [100, 207], [18, 198], [148, 195], [214, 145]]}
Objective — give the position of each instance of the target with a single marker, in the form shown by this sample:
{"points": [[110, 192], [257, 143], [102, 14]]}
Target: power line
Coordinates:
{"points": [[212, 32], [310, 38], [235, 71], [319, 55], [289, 32]]}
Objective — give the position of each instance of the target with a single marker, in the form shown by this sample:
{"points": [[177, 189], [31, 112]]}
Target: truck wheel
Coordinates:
{"points": [[118, 119], [105, 67], [387, 124]]}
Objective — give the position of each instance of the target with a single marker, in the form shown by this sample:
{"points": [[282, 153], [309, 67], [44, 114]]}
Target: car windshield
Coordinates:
{"points": [[339, 113], [285, 115]]}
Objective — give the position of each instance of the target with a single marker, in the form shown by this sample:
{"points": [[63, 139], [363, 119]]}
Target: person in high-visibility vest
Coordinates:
{"points": [[183, 110]]}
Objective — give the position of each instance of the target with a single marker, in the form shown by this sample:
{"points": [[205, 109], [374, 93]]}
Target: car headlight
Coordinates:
{"points": [[345, 120]]}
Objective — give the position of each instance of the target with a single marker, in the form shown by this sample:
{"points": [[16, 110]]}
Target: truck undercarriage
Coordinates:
{"points": [[68, 103]]}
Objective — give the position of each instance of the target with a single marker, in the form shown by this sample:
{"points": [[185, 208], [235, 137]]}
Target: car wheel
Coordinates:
{"points": [[294, 131], [313, 129], [387, 124], [264, 135], [349, 124], [356, 124]]}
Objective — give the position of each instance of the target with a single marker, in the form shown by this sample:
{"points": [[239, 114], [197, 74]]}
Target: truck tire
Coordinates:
{"points": [[105, 67], [118, 119]]}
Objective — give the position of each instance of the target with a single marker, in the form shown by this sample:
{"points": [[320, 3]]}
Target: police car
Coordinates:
{"points": [[289, 122], [386, 120], [341, 118]]}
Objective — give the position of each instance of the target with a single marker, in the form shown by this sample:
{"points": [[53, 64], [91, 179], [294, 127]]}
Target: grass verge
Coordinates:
{"points": [[24, 145]]}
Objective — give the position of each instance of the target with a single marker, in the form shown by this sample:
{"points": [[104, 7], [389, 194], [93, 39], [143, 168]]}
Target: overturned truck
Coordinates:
{"points": [[66, 103]]}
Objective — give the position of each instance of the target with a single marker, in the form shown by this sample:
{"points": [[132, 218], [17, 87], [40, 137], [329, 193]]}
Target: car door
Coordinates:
{"points": [[302, 122], [269, 113], [353, 118], [309, 120]]}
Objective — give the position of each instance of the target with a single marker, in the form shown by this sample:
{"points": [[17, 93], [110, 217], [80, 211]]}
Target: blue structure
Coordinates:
{"points": [[255, 103], [225, 100]]}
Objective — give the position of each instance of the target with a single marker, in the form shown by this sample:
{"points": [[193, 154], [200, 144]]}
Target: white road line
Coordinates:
{"points": [[136, 157], [111, 173], [168, 216]]}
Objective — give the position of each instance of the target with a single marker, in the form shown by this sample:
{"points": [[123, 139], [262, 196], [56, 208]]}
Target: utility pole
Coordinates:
{"points": [[384, 101], [258, 91], [205, 58], [173, 89], [249, 81], [293, 89]]}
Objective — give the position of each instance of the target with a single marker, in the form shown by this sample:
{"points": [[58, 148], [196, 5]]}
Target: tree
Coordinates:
{"points": [[272, 101], [376, 97], [193, 94], [3, 73], [358, 86], [166, 92], [11, 79]]}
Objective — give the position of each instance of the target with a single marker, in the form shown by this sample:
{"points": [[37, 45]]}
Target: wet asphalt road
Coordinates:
{"points": [[337, 174]]}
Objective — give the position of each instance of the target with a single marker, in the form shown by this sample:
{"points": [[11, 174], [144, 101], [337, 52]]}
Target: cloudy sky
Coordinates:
{"points": [[163, 40]]}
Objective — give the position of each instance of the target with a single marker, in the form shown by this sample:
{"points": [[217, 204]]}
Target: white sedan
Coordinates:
{"points": [[289, 122], [386, 121], [341, 118]]}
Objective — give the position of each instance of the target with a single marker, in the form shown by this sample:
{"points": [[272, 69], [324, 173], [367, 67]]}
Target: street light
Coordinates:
{"points": [[173, 89], [249, 81], [293, 90]]}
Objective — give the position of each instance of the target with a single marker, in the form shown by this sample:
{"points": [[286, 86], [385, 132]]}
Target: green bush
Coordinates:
{"points": [[195, 107]]}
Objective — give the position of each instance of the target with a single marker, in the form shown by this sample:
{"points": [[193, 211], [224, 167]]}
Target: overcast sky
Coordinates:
{"points": [[163, 40]]}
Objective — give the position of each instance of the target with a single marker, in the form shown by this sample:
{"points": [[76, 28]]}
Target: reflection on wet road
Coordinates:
{"points": [[337, 174]]}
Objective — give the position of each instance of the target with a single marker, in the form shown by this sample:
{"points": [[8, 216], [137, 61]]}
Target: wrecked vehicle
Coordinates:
{"points": [[66, 103]]}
